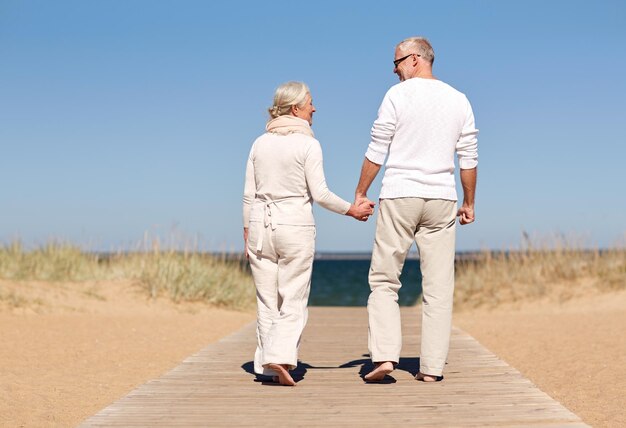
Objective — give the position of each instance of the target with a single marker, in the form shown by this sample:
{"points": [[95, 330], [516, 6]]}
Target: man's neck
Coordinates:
{"points": [[424, 74]]}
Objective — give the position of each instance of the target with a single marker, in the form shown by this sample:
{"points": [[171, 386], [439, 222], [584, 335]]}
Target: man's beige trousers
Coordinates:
{"points": [[282, 276], [431, 224]]}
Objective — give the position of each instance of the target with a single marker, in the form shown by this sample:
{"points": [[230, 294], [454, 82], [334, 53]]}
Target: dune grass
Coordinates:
{"points": [[559, 272], [179, 275], [487, 278]]}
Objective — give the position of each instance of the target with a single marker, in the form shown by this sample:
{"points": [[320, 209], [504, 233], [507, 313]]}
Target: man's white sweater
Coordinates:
{"points": [[421, 124]]}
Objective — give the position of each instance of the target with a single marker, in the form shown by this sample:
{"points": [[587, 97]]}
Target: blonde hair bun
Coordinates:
{"points": [[286, 95]]}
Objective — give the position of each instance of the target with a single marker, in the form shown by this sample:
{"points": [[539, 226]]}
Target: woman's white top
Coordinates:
{"points": [[284, 175]]}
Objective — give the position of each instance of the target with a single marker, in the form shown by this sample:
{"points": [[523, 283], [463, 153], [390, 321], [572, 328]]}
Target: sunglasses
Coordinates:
{"points": [[399, 60]]}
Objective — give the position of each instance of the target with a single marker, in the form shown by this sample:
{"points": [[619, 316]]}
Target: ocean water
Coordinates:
{"points": [[344, 283]]}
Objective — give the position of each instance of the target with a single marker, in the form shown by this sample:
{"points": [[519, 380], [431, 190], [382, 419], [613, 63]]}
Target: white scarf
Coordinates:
{"points": [[287, 124]]}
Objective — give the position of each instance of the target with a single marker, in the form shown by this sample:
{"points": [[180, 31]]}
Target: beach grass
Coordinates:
{"points": [[178, 275], [556, 271]]}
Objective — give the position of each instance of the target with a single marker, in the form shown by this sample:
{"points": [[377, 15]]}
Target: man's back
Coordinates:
{"points": [[421, 123]]}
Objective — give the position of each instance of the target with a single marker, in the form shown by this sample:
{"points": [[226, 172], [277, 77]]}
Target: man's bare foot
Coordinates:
{"points": [[284, 378], [379, 373], [426, 378]]}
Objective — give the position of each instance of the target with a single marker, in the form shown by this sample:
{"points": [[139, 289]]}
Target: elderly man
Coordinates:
{"points": [[422, 123]]}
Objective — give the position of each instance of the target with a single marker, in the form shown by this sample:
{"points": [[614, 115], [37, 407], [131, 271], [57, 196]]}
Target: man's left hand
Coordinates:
{"points": [[466, 214]]}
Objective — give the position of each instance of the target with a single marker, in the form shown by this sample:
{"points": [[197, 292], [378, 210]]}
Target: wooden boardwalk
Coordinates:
{"points": [[216, 387]]}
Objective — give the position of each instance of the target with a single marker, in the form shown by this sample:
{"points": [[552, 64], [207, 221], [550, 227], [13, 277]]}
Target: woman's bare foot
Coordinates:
{"points": [[284, 378], [426, 378], [380, 371]]}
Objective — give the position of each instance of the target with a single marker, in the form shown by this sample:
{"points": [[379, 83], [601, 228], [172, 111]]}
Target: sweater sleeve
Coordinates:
{"points": [[382, 132], [314, 173], [249, 189], [467, 145]]}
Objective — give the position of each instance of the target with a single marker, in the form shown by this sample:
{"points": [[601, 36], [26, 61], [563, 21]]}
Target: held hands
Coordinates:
{"points": [[361, 209], [466, 214]]}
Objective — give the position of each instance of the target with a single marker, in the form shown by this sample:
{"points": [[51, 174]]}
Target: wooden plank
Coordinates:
{"points": [[216, 388]]}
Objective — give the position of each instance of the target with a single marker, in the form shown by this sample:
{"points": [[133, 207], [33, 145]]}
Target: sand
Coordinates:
{"points": [[575, 351], [69, 350]]}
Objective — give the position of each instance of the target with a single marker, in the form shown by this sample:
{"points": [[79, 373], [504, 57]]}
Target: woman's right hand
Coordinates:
{"points": [[245, 242], [361, 209]]}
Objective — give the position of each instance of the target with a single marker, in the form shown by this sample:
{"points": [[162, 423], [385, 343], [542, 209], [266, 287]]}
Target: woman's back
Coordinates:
{"points": [[285, 173], [279, 165]]}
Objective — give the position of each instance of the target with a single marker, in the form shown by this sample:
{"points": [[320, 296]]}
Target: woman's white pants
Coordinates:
{"points": [[282, 276]]}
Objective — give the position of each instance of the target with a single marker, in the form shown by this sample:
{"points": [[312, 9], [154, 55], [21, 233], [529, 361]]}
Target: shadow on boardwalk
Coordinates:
{"points": [[410, 365]]}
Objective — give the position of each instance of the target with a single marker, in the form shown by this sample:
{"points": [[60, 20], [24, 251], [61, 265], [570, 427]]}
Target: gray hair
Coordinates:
{"points": [[287, 95], [420, 46]]}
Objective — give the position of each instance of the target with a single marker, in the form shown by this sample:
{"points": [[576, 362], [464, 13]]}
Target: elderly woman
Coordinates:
{"points": [[284, 175]]}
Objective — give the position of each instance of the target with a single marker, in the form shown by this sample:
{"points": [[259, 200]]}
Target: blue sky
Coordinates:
{"points": [[120, 119]]}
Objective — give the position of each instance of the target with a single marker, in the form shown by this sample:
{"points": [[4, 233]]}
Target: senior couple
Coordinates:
{"points": [[422, 123]]}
